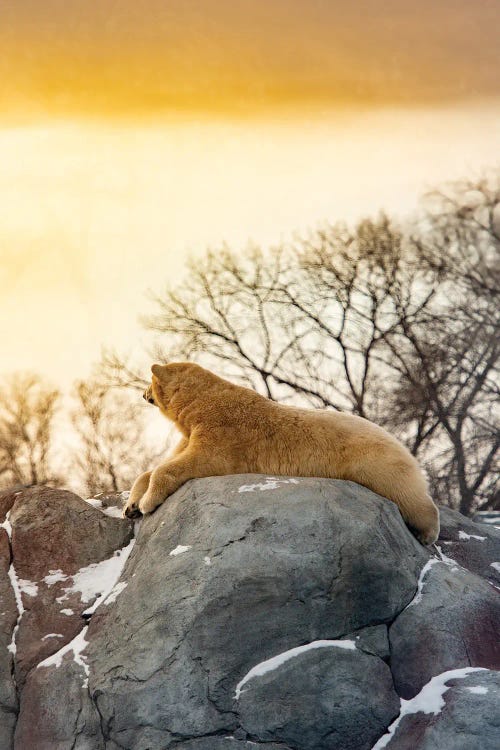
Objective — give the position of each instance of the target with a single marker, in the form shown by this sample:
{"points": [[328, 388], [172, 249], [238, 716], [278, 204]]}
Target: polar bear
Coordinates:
{"points": [[228, 429]]}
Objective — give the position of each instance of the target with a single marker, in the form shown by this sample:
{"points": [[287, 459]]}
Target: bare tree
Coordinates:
{"points": [[450, 358], [397, 324], [112, 448], [27, 409]]}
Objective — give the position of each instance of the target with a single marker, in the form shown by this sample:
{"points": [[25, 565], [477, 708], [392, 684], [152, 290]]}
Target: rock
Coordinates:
{"points": [[251, 612], [8, 619], [474, 546], [454, 621], [111, 503], [43, 535], [56, 547], [455, 711], [7, 499], [52, 548], [252, 575], [321, 699], [56, 711], [227, 743]]}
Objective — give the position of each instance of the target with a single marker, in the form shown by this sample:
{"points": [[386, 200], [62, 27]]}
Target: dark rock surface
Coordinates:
{"points": [[456, 623], [464, 717], [322, 699], [251, 611], [473, 545]]}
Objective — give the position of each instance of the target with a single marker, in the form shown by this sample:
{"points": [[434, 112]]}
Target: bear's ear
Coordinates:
{"points": [[156, 370]]}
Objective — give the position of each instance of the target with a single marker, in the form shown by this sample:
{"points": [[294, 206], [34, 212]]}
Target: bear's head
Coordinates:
{"points": [[172, 384]]}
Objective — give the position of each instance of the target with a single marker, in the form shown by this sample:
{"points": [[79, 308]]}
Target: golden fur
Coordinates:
{"points": [[228, 429]]}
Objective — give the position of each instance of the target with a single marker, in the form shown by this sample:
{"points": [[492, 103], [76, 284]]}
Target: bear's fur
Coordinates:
{"points": [[228, 429]]}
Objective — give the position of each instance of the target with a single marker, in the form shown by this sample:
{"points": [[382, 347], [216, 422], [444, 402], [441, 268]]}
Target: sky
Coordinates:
{"points": [[134, 133], [130, 56]]}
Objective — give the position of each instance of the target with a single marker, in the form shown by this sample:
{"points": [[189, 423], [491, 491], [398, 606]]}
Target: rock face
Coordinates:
{"points": [[288, 613]]}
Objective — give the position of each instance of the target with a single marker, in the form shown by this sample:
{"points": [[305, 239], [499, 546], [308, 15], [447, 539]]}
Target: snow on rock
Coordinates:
{"points": [[496, 566], [97, 579], [465, 537], [67, 612], [115, 591], [20, 609], [207, 560], [276, 661], [94, 502], [112, 511], [77, 646], [429, 701], [421, 580], [447, 560], [271, 483], [52, 635], [478, 689], [7, 525], [30, 588], [101, 578], [179, 550], [55, 576]]}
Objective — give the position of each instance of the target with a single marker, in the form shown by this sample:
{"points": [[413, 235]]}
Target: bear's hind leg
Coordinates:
{"points": [[422, 516]]}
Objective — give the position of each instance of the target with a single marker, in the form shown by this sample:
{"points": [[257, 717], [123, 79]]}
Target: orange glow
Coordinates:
{"points": [[134, 57]]}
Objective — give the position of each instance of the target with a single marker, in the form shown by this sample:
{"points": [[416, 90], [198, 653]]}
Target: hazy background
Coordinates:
{"points": [[134, 133]]}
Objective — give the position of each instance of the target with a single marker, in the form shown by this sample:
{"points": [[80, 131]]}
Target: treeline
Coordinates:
{"points": [[91, 440], [396, 322]]}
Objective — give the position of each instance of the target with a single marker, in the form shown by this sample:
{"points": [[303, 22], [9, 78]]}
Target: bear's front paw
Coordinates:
{"points": [[149, 502], [131, 510]]}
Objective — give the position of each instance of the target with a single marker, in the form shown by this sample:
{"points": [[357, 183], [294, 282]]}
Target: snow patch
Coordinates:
{"points": [[30, 588], [466, 537], [20, 609], [495, 566], [52, 635], [112, 511], [478, 689], [108, 510], [97, 579], [179, 550], [447, 560], [54, 577], [271, 483], [421, 579], [429, 701], [77, 646], [207, 560], [115, 591], [276, 661], [67, 612], [94, 502], [7, 525]]}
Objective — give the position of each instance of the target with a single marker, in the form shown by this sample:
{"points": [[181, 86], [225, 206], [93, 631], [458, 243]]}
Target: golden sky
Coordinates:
{"points": [[135, 132], [139, 56]]}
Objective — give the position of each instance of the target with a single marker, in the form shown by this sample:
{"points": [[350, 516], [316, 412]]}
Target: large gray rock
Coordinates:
{"points": [[265, 570], [255, 611]]}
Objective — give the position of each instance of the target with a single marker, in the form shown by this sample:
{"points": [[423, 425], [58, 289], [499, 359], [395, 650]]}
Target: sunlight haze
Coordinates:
{"points": [[135, 134]]}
